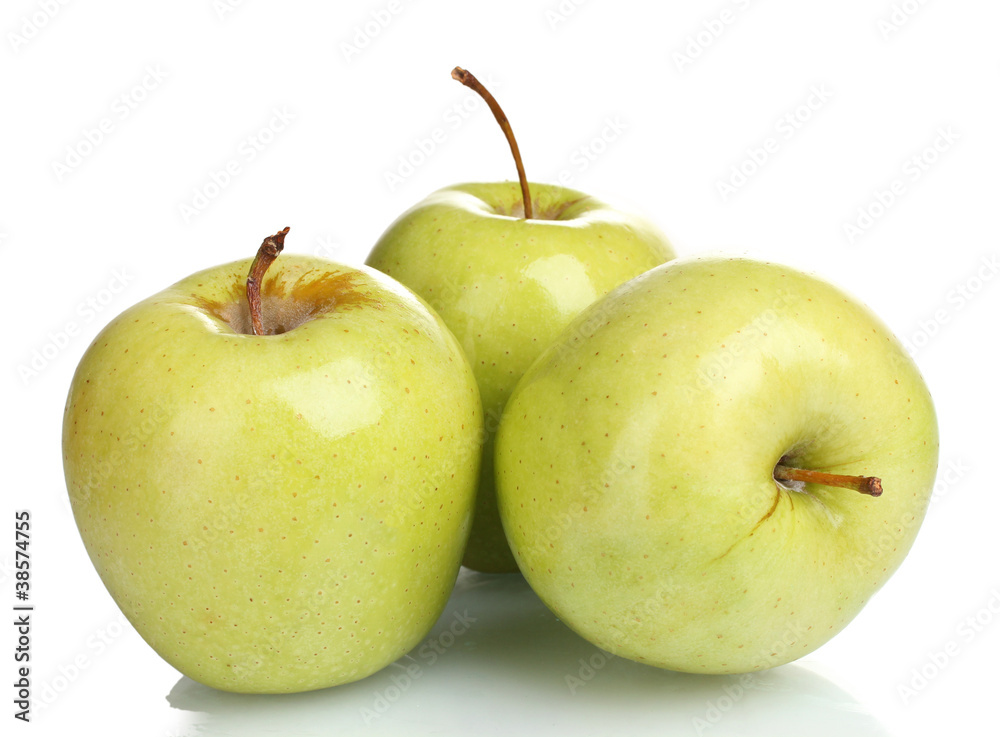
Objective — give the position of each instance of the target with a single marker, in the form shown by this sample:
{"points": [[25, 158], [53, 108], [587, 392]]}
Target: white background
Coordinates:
{"points": [[599, 83]]}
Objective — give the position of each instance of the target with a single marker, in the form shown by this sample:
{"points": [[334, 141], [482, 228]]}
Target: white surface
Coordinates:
{"points": [[607, 69]]}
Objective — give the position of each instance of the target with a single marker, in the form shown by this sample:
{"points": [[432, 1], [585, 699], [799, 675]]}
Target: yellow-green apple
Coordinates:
{"points": [[507, 283], [716, 466], [275, 476]]}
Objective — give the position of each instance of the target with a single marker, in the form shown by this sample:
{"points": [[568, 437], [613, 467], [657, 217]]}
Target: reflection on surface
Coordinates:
{"points": [[498, 662]]}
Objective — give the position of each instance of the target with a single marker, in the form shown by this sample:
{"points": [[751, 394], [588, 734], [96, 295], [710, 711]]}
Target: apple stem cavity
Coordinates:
{"points": [[869, 485], [266, 254], [469, 80]]}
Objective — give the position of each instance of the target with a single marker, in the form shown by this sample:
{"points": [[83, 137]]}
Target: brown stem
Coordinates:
{"points": [[266, 254], [869, 485], [469, 80]]}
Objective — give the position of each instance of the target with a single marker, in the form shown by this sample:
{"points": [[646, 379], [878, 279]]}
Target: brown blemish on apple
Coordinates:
{"points": [[286, 304]]}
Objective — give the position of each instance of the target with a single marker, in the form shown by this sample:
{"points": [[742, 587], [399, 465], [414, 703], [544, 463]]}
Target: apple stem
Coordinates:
{"points": [[470, 81], [266, 255], [869, 485]]}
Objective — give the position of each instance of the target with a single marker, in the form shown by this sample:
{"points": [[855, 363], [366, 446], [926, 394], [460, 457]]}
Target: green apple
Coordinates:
{"points": [[678, 474], [507, 285], [284, 511]]}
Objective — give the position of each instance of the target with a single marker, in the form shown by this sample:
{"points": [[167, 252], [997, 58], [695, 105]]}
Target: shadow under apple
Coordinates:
{"points": [[498, 662]]}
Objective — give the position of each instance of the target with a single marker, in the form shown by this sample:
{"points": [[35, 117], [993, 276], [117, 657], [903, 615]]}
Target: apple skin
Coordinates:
{"points": [[507, 287], [635, 460], [277, 513]]}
